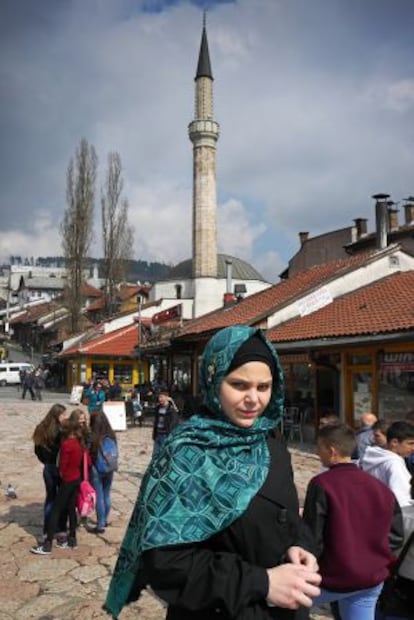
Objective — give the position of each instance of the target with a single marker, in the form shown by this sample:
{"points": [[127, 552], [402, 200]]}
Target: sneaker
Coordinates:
{"points": [[62, 544], [97, 530], [61, 537], [45, 549], [72, 542]]}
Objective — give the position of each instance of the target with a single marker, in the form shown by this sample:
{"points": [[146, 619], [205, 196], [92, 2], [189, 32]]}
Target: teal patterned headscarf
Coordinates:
{"points": [[204, 477]]}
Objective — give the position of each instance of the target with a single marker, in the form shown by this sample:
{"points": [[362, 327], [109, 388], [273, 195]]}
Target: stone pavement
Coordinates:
{"points": [[71, 584]]}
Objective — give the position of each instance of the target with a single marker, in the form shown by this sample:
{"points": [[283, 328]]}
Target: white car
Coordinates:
{"points": [[10, 372]]}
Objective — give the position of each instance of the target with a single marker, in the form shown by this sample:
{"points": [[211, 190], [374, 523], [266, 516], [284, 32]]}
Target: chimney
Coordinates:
{"points": [[303, 236], [409, 211], [229, 267], [392, 216], [381, 203], [361, 227], [228, 298]]}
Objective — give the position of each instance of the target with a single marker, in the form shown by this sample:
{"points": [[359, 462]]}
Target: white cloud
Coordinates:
{"points": [[315, 116], [400, 95], [236, 232]]}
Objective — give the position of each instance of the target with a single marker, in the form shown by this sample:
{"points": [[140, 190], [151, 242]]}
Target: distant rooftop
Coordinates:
{"points": [[241, 270]]}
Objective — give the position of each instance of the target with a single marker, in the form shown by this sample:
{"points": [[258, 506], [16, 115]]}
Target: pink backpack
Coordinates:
{"points": [[86, 500]]}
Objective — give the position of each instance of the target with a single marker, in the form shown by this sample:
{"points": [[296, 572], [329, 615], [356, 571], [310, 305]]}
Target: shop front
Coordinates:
{"points": [[127, 372]]}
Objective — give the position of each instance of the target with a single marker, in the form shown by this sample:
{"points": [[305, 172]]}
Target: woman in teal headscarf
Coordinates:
{"points": [[216, 528]]}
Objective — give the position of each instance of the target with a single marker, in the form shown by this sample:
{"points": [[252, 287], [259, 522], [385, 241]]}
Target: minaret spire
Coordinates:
{"points": [[204, 65], [203, 133]]}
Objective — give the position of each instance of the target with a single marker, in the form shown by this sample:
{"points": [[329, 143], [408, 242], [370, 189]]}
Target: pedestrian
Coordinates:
{"points": [[95, 396], [216, 530], [115, 391], [28, 384], [38, 383], [70, 470], [379, 432], [137, 408], [46, 438], [104, 455], [365, 435], [80, 416], [166, 418], [357, 524], [410, 459], [388, 463]]}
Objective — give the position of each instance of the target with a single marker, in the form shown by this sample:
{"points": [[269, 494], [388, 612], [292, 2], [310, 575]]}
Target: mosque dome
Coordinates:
{"points": [[241, 270]]}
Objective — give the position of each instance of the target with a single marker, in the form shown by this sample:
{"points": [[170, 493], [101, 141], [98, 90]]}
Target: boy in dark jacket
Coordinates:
{"points": [[165, 419], [356, 522]]}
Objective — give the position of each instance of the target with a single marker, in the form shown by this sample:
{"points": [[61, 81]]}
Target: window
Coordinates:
{"points": [[100, 371], [359, 359], [123, 373], [396, 385]]}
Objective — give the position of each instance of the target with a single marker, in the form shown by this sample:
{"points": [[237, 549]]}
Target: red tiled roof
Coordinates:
{"points": [[258, 306], [127, 291], [382, 307], [120, 343], [35, 312], [98, 304], [90, 291]]}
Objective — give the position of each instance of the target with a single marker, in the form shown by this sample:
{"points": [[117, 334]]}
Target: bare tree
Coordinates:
{"points": [[76, 228], [116, 231]]}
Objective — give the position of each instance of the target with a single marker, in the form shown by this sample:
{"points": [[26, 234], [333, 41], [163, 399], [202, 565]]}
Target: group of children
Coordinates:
{"points": [[355, 509], [61, 443]]}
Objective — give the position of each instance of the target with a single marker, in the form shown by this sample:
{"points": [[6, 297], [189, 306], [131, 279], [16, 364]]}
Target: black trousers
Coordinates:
{"points": [[65, 502], [25, 389]]}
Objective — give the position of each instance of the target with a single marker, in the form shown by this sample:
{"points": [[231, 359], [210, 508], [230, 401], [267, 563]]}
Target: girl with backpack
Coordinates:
{"points": [[104, 454], [71, 455], [46, 439]]}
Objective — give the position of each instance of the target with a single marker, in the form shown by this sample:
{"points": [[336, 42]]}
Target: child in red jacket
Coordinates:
{"points": [[70, 471]]}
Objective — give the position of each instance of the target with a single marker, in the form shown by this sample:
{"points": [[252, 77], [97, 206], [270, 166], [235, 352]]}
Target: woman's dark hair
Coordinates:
{"points": [[46, 431], [339, 436], [100, 428]]}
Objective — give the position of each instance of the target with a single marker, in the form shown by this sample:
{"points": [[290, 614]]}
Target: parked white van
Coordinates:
{"points": [[10, 372]]}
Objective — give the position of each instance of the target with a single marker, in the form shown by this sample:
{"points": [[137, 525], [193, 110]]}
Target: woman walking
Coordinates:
{"points": [[216, 530], [71, 457], [46, 438], [104, 454]]}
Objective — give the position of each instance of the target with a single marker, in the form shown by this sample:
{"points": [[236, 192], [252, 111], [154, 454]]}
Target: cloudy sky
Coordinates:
{"points": [[315, 100]]}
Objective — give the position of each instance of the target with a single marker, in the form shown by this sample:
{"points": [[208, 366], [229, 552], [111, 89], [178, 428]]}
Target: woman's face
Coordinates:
{"points": [[62, 416], [245, 393], [82, 419]]}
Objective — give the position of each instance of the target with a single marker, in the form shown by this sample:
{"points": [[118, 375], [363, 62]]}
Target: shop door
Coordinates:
{"points": [[361, 394]]}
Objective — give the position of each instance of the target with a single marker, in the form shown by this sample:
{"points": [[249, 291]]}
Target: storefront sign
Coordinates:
{"points": [[314, 301]]}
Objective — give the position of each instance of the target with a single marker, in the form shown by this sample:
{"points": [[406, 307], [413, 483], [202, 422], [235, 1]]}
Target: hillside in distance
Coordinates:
{"points": [[137, 270]]}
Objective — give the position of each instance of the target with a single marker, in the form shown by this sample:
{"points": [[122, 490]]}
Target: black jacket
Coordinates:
{"points": [[171, 419], [225, 576], [48, 454]]}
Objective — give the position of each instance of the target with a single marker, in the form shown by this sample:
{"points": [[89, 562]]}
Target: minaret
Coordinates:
{"points": [[203, 133]]}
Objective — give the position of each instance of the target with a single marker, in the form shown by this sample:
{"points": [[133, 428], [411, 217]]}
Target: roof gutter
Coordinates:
{"points": [[323, 343]]}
